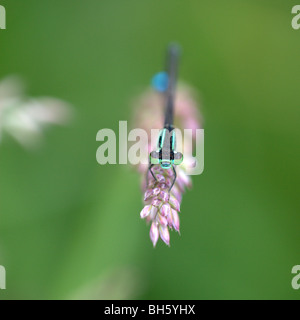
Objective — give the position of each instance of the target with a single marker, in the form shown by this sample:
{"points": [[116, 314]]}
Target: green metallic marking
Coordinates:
{"points": [[163, 138], [173, 140], [165, 164]]}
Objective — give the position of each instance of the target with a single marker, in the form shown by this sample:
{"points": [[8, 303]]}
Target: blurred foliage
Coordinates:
{"points": [[68, 225]]}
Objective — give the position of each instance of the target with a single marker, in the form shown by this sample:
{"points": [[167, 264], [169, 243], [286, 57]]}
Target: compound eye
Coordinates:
{"points": [[178, 158], [154, 157]]}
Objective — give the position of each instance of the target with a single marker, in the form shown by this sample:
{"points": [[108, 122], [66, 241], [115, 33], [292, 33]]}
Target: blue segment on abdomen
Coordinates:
{"points": [[160, 81]]}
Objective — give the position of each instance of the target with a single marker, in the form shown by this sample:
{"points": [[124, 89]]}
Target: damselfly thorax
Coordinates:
{"points": [[166, 154]]}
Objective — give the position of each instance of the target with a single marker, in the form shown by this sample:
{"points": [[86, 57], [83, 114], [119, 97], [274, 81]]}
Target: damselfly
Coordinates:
{"points": [[165, 155]]}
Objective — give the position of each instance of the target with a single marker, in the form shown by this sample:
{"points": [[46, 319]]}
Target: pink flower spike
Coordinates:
{"points": [[192, 124], [174, 203], [165, 210], [145, 212], [156, 202], [176, 193], [190, 162], [164, 234], [164, 196], [180, 184], [148, 194], [148, 218], [160, 170], [184, 178], [154, 233], [156, 191], [170, 221], [169, 172], [161, 220], [153, 212], [160, 178], [175, 220], [168, 183]]}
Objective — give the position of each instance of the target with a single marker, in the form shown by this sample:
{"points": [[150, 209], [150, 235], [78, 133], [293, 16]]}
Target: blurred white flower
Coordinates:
{"points": [[25, 118], [119, 283]]}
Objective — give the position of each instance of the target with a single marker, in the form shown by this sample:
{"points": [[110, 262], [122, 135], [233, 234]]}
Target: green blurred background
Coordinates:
{"points": [[70, 228]]}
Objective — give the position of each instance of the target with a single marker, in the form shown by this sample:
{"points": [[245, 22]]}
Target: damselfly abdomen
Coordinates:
{"points": [[166, 155]]}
